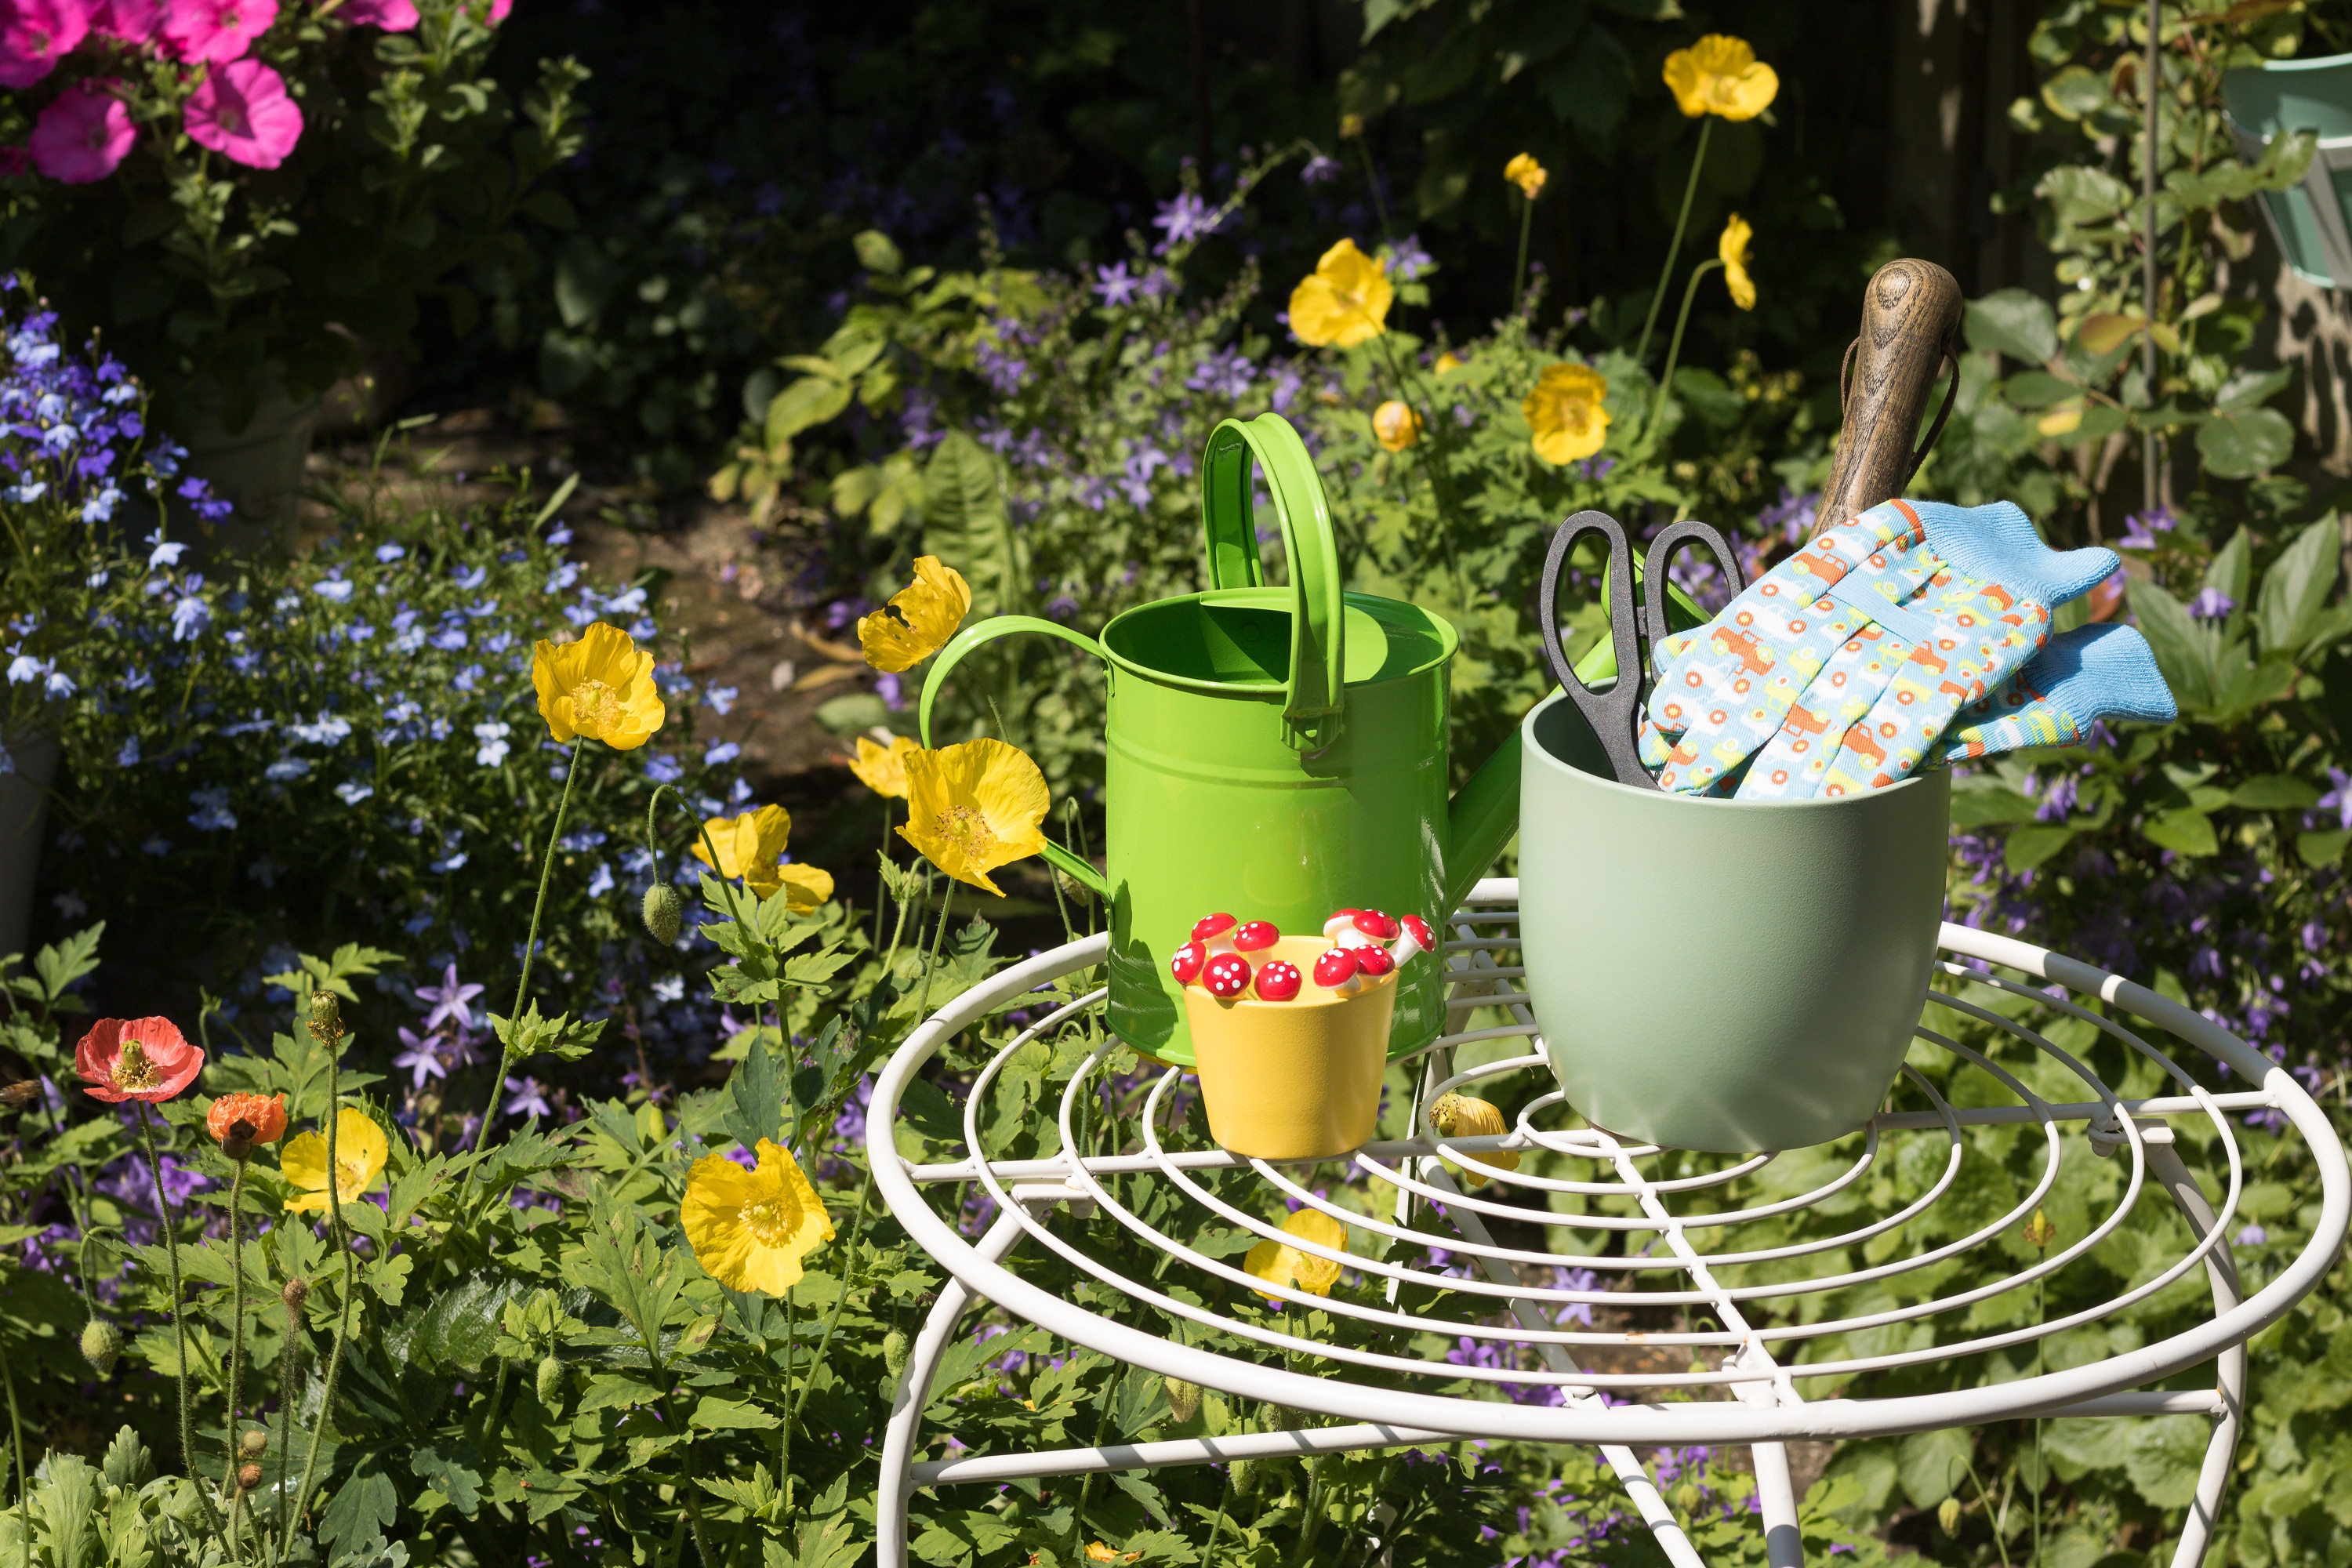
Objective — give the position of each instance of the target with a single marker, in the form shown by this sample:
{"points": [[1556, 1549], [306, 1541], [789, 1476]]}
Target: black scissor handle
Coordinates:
{"points": [[1657, 594], [1613, 713]]}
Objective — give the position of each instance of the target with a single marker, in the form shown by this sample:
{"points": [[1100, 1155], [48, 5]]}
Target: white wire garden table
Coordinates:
{"points": [[1754, 1396]]}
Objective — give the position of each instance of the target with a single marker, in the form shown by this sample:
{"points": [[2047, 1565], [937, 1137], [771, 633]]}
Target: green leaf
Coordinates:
{"points": [[1981, 801], [2163, 1455], [965, 523], [876, 253], [2230, 571], [2030, 846], [755, 1105], [562, 1037], [2238, 444], [2322, 847], [2014, 323], [459, 1326], [809, 401], [2293, 600], [816, 1543], [925, 1108], [2185, 650], [364, 1505], [2076, 92], [2186, 830], [1931, 1464], [2275, 791], [713, 1413], [461, 1484]]}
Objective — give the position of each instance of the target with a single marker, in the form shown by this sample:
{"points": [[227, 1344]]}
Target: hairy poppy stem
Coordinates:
{"points": [[1674, 249], [235, 1335], [179, 1327], [1675, 348], [530, 946], [24, 1476], [331, 1036]]}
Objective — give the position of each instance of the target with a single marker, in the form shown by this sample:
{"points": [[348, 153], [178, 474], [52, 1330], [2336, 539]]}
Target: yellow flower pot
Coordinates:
{"points": [[1297, 1079]]}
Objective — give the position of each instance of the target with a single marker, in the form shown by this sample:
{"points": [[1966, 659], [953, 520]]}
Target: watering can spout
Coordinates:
{"points": [[1482, 819]]}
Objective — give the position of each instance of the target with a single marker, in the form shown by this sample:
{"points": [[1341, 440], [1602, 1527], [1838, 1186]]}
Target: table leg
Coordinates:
{"points": [[1642, 1491], [896, 1483], [2222, 1273]]}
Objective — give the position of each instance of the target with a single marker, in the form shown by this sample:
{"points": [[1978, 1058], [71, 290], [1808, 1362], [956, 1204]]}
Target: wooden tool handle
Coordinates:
{"points": [[1910, 323]]}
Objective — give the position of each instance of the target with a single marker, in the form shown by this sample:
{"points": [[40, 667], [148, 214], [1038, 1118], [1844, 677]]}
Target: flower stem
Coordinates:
{"points": [[24, 1476], [343, 1309], [529, 945], [1674, 249], [848, 1259], [1519, 271], [947, 904], [236, 1332], [784, 1450], [289, 1361], [1675, 348], [179, 1326], [1372, 183]]}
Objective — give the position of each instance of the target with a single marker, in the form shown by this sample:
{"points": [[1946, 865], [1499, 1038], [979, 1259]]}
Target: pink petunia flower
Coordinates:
{"points": [[36, 33], [498, 9], [392, 15], [83, 135], [216, 30], [130, 21], [242, 111]]}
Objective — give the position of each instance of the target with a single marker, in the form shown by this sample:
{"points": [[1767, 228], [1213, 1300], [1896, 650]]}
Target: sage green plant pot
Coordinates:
{"points": [[1719, 975]]}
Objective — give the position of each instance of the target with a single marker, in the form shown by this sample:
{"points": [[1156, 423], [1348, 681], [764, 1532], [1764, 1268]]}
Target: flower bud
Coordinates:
{"points": [[294, 1295], [248, 1474], [894, 1351], [325, 1017], [663, 909], [550, 1379], [23, 1092], [252, 1442], [1183, 1399], [1245, 1478], [1686, 1497], [101, 1345], [1948, 1516]]}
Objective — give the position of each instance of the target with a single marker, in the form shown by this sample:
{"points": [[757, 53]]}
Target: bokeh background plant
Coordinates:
{"points": [[974, 282]]}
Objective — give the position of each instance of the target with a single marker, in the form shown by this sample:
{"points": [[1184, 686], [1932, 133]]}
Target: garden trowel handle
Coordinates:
{"points": [[1910, 331]]}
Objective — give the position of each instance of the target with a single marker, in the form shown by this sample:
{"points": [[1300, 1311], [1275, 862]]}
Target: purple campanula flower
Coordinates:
{"points": [[1186, 218], [2140, 529], [422, 1057], [449, 1001], [2211, 604], [1114, 286], [530, 1099], [1319, 170], [1409, 261]]}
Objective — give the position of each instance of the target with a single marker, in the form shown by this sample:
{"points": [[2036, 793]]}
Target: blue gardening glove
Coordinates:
{"points": [[1839, 669], [2084, 675]]}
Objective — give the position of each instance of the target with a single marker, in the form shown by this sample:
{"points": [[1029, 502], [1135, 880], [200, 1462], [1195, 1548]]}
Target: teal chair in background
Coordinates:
{"points": [[2310, 221]]}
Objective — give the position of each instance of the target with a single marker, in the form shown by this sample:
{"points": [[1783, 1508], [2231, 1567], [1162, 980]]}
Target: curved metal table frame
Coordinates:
{"points": [[1765, 1410]]}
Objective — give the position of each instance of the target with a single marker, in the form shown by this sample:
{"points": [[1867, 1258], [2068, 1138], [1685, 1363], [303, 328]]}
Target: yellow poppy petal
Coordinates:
{"points": [[1395, 426], [808, 886], [748, 844], [1720, 75], [1344, 301], [1732, 249], [600, 686], [360, 1152], [973, 808], [303, 1163], [749, 1229], [1567, 412], [927, 613], [881, 770], [1526, 174], [1467, 1116]]}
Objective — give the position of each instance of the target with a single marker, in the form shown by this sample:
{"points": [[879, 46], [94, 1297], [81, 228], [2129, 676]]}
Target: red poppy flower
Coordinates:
{"points": [[138, 1058]]}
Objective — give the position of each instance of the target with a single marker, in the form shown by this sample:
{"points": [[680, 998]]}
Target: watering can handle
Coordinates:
{"points": [[972, 637], [1318, 660]]}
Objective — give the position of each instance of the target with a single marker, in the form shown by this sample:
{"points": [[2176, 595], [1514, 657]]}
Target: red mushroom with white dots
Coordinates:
{"points": [[1278, 981], [1228, 974]]}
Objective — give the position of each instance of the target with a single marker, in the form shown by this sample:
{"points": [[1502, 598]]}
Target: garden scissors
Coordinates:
{"points": [[1616, 714]]}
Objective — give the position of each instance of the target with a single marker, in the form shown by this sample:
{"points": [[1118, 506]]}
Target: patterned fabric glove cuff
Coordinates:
{"points": [[1997, 543]]}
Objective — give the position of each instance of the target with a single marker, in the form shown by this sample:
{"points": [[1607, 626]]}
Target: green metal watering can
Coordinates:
{"points": [[1278, 752]]}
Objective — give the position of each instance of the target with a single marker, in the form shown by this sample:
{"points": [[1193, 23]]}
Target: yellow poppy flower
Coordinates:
{"points": [[805, 887], [928, 615], [973, 808], [748, 845], [1279, 1263], [1446, 364], [1721, 76], [1733, 250], [884, 769], [601, 687], [1567, 413], [1526, 174], [1397, 425], [749, 1229], [1467, 1116], [1344, 301], [361, 1150]]}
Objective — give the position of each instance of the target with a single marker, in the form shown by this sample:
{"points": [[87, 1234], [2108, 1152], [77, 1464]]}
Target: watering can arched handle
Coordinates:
{"points": [[1317, 659], [972, 637]]}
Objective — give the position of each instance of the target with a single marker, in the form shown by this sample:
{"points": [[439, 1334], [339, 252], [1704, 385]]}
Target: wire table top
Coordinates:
{"points": [[1530, 1313]]}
